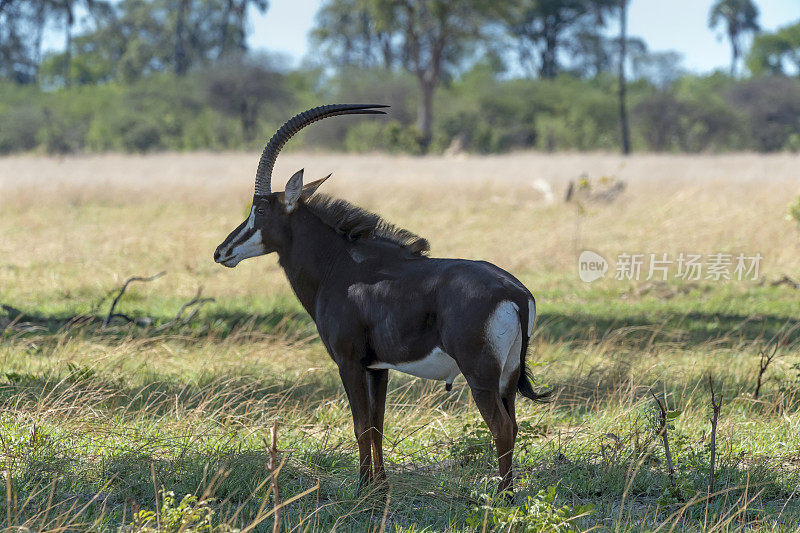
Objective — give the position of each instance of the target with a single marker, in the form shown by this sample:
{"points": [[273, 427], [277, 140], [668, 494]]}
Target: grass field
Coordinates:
{"points": [[98, 425]]}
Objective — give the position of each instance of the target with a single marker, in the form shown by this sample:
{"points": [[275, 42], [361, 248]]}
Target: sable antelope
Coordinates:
{"points": [[380, 303]]}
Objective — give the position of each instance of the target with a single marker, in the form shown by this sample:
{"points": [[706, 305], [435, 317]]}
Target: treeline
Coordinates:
{"points": [[140, 75]]}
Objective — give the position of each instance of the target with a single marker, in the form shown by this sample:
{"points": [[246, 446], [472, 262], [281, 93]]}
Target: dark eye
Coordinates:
{"points": [[260, 210]]}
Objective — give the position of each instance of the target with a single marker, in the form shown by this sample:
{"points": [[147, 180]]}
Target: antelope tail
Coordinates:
{"points": [[525, 385]]}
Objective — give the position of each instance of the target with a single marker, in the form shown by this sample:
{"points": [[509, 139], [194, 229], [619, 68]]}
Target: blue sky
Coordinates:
{"points": [[679, 25]]}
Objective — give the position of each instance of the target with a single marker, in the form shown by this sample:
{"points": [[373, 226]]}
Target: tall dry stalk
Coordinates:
{"points": [[715, 407], [273, 468]]}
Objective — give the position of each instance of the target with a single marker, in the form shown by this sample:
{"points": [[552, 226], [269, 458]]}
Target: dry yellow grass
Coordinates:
{"points": [[96, 219]]}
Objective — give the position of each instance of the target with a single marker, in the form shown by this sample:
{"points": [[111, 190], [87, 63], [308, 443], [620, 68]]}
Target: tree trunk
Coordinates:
{"points": [[734, 54], [223, 34], [41, 20], [387, 51], [623, 112], [425, 111], [68, 47], [240, 11], [247, 117], [549, 60], [181, 61]]}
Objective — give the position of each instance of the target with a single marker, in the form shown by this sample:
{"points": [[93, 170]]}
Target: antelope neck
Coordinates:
{"points": [[311, 252]]}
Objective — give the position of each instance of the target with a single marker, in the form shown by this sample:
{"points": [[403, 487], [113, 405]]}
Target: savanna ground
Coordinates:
{"points": [[97, 425]]}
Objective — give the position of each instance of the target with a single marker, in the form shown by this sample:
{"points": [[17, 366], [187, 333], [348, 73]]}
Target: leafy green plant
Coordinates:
{"points": [[475, 442], [78, 373], [191, 515], [539, 513]]}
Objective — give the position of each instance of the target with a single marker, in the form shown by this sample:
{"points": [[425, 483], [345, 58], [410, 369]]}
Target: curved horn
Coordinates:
{"points": [[295, 124]]}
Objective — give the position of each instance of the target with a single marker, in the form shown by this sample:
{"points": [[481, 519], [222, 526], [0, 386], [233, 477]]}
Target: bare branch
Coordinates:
{"points": [[111, 315], [763, 364]]}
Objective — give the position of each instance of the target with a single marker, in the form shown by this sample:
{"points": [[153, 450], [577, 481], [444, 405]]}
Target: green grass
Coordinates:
{"points": [[97, 422]]}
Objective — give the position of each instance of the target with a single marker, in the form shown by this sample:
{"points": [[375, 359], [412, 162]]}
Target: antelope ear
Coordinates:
{"points": [[294, 188], [312, 187]]}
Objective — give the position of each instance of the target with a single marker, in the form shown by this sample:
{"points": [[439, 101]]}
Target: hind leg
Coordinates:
{"points": [[489, 359], [508, 402], [509, 396], [500, 423]]}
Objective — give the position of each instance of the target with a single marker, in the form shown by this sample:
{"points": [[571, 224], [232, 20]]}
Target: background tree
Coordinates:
{"points": [[172, 75], [543, 28], [67, 8], [739, 17], [233, 24], [21, 29], [776, 53], [430, 38], [134, 38], [242, 86], [437, 35], [592, 52], [772, 107], [623, 110], [351, 35]]}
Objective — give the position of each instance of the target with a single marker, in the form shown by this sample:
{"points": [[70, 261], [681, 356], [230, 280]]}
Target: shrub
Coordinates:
{"points": [[772, 109], [538, 514], [189, 516], [18, 128], [369, 136]]}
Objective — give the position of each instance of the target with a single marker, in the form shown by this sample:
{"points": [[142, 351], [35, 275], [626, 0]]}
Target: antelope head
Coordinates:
{"points": [[267, 224]]}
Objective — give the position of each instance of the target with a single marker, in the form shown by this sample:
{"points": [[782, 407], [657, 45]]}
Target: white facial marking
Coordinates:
{"points": [[249, 248], [504, 335], [436, 365], [251, 220]]}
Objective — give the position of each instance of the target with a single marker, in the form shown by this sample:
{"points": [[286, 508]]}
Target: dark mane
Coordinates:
{"points": [[355, 223]]}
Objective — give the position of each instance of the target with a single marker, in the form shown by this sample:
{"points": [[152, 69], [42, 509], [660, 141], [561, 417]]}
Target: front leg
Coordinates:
{"points": [[354, 378], [377, 380]]}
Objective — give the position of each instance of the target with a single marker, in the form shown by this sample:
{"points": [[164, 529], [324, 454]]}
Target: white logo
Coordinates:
{"points": [[591, 266]]}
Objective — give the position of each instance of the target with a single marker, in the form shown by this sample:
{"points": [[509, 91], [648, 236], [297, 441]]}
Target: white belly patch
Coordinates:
{"points": [[436, 365]]}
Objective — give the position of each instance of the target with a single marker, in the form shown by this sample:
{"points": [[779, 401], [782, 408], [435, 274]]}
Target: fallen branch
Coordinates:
{"points": [[662, 432], [786, 280], [715, 406], [111, 314], [197, 302]]}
